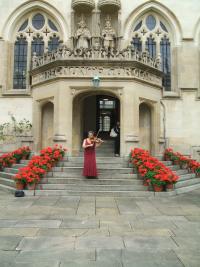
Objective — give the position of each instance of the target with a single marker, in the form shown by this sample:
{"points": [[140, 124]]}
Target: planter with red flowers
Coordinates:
{"points": [[38, 166], [184, 162], [154, 173]]}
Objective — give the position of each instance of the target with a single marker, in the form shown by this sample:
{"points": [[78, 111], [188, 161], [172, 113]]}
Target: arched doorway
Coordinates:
{"points": [[145, 122], [47, 124], [95, 111]]}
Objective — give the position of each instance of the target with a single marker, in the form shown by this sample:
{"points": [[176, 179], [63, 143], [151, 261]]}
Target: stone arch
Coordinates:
{"points": [[160, 9], [16, 16], [47, 124], [78, 112], [145, 125]]}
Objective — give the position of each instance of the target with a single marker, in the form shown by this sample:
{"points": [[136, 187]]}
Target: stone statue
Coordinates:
{"points": [[108, 34], [82, 35]]}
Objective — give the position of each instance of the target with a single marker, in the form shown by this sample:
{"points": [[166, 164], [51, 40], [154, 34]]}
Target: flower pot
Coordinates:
{"points": [[170, 186], [167, 158], [31, 186], [158, 188], [176, 162], [19, 185], [145, 183]]}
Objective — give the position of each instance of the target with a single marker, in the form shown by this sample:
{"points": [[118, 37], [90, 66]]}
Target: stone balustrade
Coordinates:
{"points": [[96, 54]]}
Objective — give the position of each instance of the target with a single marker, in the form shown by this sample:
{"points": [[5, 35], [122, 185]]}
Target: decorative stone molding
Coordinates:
{"points": [[96, 53], [132, 138], [79, 3], [104, 3]]}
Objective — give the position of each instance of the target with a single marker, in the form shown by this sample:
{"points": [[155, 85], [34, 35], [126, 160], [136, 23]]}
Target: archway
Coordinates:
{"points": [[145, 123], [47, 124], [97, 111]]}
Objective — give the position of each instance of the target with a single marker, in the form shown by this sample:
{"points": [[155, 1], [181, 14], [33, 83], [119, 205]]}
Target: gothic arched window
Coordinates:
{"points": [[37, 33], [151, 33]]}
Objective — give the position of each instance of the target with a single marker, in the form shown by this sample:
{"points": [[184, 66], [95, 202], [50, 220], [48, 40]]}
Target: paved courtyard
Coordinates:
{"points": [[108, 232]]}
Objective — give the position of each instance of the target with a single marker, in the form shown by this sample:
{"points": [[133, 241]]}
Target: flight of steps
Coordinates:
{"points": [[116, 178]]}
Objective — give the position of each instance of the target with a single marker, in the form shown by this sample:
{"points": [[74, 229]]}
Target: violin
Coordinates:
{"points": [[96, 140]]}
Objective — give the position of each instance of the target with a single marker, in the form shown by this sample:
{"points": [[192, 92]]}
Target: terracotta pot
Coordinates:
{"points": [[20, 186], [170, 186], [31, 186], [158, 188], [167, 157], [176, 162]]}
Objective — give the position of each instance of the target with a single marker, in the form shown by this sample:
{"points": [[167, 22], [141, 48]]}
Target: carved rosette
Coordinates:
{"points": [[103, 4], [83, 3]]}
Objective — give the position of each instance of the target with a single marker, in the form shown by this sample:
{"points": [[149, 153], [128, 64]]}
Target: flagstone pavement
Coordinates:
{"points": [[100, 231]]}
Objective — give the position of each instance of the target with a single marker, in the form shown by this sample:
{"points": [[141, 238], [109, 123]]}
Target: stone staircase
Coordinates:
{"points": [[116, 178]]}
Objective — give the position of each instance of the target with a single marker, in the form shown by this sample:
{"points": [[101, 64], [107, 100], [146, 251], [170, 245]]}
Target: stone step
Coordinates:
{"points": [[86, 181], [100, 170], [187, 176], [186, 189], [99, 165], [174, 167], [90, 193], [60, 174], [98, 159], [7, 175], [18, 166], [100, 154], [7, 188], [188, 182], [89, 187], [11, 170], [181, 172], [7, 182]]}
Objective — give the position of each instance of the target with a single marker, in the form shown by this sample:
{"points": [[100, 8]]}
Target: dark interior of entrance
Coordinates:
{"points": [[100, 113]]}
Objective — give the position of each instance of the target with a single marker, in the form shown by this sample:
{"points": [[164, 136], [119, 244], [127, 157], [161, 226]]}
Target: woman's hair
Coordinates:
{"points": [[90, 132]]}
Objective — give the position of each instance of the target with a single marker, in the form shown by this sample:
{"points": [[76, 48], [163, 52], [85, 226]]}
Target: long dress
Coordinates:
{"points": [[90, 166]]}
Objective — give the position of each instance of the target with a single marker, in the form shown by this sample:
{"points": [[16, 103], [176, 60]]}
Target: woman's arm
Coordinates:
{"points": [[84, 144]]}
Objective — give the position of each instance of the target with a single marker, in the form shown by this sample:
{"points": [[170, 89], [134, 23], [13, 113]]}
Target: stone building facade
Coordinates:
{"points": [[70, 66]]}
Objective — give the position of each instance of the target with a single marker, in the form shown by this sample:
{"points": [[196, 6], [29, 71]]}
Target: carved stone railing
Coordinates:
{"points": [[65, 53], [86, 63]]}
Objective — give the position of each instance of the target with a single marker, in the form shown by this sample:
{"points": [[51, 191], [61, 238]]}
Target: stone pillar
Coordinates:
{"points": [[155, 128], [37, 126], [4, 46], [130, 121], [63, 118], [72, 28]]}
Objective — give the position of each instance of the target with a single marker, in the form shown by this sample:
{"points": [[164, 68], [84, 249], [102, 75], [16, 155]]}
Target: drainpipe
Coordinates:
{"points": [[164, 123]]}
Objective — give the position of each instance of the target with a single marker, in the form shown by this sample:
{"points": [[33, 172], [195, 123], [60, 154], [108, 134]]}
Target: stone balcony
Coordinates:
{"points": [[87, 63]]}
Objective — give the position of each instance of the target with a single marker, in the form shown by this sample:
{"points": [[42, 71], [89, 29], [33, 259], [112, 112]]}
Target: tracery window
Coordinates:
{"points": [[152, 33], [37, 33]]}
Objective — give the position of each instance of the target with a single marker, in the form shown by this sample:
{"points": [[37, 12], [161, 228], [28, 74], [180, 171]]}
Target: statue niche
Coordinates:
{"points": [[108, 34], [82, 35]]}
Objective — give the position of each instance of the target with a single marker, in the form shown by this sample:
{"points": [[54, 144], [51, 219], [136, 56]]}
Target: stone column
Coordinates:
{"points": [[130, 123], [72, 28], [4, 46], [63, 118], [37, 126], [155, 128]]}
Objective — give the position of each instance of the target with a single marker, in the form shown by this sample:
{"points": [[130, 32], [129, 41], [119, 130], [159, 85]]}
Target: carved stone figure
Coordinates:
{"points": [[108, 34], [82, 35]]}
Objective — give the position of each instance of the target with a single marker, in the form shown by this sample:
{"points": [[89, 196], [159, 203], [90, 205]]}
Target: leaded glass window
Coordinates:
{"points": [[151, 32], [36, 33], [20, 63]]}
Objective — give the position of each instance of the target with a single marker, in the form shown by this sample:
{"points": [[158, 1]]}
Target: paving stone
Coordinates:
{"points": [[189, 258], [46, 243], [131, 258], [7, 223], [7, 258], [147, 208], [99, 242], [148, 242], [91, 264], [47, 263], [105, 211], [61, 254], [18, 231], [38, 223], [9, 242], [77, 222]]}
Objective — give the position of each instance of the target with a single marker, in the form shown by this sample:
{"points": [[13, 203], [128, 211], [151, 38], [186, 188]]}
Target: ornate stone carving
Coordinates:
{"points": [[82, 35], [115, 3], [79, 3], [95, 53], [108, 34]]}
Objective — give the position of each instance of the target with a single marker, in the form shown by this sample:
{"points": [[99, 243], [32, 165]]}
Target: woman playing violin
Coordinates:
{"points": [[89, 145]]}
